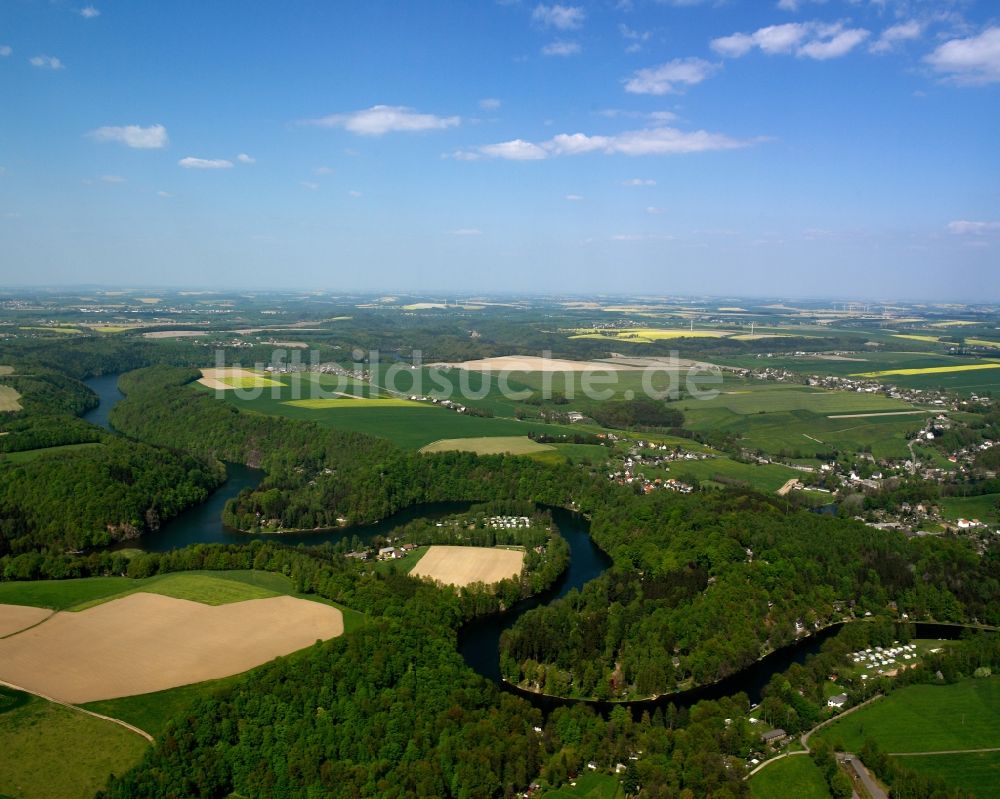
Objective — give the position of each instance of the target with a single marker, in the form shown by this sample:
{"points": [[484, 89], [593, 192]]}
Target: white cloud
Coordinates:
{"points": [[152, 138], [515, 150], [839, 44], [904, 31], [564, 18], [489, 104], [642, 237], [5, 50], [639, 182], [573, 198], [652, 209], [467, 231], [243, 158], [965, 228], [45, 62], [112, 179], [561, 48], [164, 194], [666, 78], [381, 119], [650, 141], [635, 38], [815, 40], [308, 184], [971, 61], [325, 170], [205, 163], [795, 5], [354, 193], [89, 12]]}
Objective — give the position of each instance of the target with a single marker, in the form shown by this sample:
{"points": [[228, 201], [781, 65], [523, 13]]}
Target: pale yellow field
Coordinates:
{"points": [[931, 370], [147, 642], [466, 565], [347, 401], [953, 323], [915, 337], [9, 399], [227, 378], [532, 363], [644, 335], [488, 445], [6, 370], [758, 336], [981, 342], [17, 617]]}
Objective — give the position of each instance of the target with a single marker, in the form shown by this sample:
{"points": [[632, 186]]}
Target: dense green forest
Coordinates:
{"points": [[90, 496], [705, 584], [317, 477], [93, 496]]}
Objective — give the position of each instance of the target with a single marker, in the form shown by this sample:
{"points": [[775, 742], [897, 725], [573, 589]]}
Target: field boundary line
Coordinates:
{"points": [[53, 700], [945, 752], [29, 627]]}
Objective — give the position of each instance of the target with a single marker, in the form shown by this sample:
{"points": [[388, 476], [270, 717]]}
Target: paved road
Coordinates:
{"points": [[854, 762]]}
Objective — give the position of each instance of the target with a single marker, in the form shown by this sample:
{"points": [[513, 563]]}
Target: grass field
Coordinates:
{"points": [[767, 478], [926, 718], [152, 711], [589, 786], [409, 424], [53, 752], [977, 773], [6, 370], [352, 403], [489, 445], [33, 454], [796, 419], [983, 507], [9, 399], [791, 776]]}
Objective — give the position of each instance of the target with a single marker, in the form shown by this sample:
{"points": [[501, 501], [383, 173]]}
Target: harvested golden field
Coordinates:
{"points": [[229, 378], [147, 642], [466, 565], [17, 617]]}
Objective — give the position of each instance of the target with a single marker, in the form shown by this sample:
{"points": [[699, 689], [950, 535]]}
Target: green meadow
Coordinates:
{"points": [[54, 752], [589, 786], [791, 776], [984, 507], [926, 718]]}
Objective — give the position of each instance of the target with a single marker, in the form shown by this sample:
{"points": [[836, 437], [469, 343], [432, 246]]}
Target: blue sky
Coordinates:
{"points": [[799, 147]]}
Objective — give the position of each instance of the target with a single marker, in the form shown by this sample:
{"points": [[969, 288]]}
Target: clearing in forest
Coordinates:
{"points": [[9, 399], [146, 642], [466, 565], [533, 363]]}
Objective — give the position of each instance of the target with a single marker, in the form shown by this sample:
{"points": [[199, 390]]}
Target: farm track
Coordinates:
{"points": [[54, 701]]}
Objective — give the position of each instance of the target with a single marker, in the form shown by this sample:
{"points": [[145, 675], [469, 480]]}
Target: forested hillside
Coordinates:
{"points": [[317, 477], [716, 580]]}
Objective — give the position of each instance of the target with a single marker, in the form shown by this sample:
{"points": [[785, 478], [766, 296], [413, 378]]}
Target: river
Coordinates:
{"points": [[479, 641]]}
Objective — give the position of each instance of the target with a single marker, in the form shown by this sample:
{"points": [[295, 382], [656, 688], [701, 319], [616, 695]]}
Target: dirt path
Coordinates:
{"points": [[787, 487], [946, 752], [79, 709], [866, 415]]}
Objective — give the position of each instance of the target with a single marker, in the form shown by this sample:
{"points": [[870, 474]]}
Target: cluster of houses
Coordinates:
{"points": [[647, 486], [394, 553], [884, 660]]}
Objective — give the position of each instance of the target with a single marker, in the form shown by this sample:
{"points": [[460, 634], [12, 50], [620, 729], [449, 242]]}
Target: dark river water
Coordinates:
{"points": [[478, 640]]}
